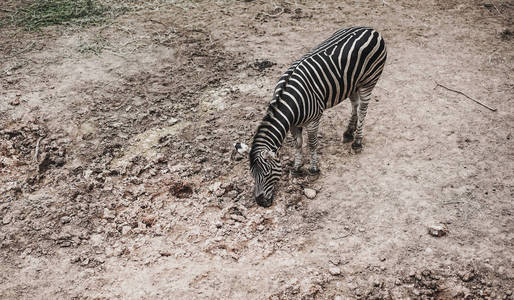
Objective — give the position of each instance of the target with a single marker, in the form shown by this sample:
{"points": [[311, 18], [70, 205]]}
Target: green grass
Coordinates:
{"points": [[43, 13]]}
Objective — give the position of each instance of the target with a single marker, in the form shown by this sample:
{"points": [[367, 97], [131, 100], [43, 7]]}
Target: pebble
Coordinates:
{"points": [[108, 214], [467, 276], [237, 218], [309, 193], [7, 219], [334, 271], [125, 229], [65, 220], [437, 230]]}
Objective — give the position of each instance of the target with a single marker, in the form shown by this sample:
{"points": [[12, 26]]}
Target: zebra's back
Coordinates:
{"points": [[350, 59]]}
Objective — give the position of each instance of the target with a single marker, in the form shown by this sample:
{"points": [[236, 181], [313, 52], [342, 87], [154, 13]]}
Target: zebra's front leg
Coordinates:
{"points": [[312, 136], [298, 157], [352, 125], [363, 108]]}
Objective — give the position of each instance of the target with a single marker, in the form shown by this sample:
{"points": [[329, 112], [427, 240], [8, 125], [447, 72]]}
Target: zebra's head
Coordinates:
{"points": [[266, 171]]}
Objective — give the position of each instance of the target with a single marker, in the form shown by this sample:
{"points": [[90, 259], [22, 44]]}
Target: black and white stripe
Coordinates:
{"points": [[347, 65]]}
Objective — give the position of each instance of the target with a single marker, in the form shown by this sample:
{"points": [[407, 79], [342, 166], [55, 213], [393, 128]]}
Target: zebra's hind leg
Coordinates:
{"points": [[365, 96], [312, 136], [352, 125], [298, 157]]}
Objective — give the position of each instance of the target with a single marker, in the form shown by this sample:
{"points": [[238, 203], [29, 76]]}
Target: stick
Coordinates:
{"points": [[452, 202], [37, 148], [497, 9], [459, 92]]}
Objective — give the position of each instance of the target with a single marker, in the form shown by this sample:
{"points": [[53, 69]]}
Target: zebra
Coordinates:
{"points": [[346, 65]]}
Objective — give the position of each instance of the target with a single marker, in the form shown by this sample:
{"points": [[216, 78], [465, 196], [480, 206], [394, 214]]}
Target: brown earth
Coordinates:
{"points": [[118, 179]]}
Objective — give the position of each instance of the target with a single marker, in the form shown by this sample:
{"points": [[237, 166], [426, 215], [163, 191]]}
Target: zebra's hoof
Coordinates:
{"points": [[314, 171], [347, 137], [357, 147]]}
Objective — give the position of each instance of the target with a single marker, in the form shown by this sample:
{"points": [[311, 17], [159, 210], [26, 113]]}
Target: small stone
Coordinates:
{"points": [[108, 214], [65, 220], [437, 230], [85, 262], [7, 219], [334, 271], [149, 220], [232, 194], [361, 229], [75, 260], [219, 192], [309, 193], [467, 276], [125, 230], [65, 244], [16, 101], [260, 227], [165, 253], [237, 218], [172, 121]]}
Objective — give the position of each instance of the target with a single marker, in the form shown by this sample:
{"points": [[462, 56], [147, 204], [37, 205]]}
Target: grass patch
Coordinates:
{"points": [[43, 13]]}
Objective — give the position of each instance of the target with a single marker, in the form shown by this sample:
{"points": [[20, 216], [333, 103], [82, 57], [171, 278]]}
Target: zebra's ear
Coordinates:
{"points": [[242, 148]]}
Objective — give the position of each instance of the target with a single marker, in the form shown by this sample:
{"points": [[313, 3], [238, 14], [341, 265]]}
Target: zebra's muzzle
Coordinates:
{"points": [[263, 201]]}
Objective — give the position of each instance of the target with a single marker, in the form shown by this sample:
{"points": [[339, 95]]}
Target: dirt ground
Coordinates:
{"points": [[118, 179]]}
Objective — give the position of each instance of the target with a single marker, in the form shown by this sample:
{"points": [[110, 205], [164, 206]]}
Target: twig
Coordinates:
{"points": [[452, 202], [37, 148], [344, 236], [496, 8], [459, 92]]}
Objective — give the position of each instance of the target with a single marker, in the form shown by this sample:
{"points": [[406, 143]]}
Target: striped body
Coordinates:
{"points": [[347, 65]]}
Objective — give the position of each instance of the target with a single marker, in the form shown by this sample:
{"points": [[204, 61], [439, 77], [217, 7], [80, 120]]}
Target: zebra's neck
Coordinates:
{"points": [[274, 127]]}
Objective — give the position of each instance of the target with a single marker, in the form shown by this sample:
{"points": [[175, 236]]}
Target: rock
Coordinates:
{"points": [[125, 230], [437, 230], [172, 121], [334, 271], [6, 220], [165, 253], [65, 220], [108, 214], [309, 193], [15, 102], [237, 218], [219, 192], [149, 220], [467, 276]]}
